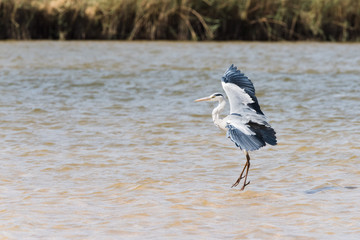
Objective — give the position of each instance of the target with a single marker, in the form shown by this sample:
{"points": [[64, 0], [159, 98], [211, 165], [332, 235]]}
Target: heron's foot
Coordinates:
{"points": [[235, 184], [245, 184], [237, 181]]}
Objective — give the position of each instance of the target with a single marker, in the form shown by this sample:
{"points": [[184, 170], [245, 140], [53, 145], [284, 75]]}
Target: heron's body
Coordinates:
{"points": [[246, 125]]}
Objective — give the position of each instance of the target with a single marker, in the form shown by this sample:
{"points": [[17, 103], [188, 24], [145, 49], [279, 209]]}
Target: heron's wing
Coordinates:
{"points": [[249, 136], [243, 140], [247, 125], [240, 91], [235, 76]]}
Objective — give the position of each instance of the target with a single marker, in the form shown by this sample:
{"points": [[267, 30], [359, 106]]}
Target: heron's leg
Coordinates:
{"points": [[247, 171], [242, 172], [241, 176]]}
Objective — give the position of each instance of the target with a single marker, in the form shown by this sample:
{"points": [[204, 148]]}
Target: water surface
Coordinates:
{"points": [[102, 140]]}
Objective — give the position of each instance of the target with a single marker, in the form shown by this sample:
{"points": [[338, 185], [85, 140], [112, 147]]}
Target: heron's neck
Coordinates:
{"points": [[216, 112]]}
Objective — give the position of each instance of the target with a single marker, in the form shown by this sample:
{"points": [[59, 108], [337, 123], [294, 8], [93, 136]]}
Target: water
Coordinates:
{"points": [[102, 140]]}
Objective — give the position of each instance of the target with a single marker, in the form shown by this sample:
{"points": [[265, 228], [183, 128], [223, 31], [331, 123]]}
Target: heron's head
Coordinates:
{"points": [[212, 98]]}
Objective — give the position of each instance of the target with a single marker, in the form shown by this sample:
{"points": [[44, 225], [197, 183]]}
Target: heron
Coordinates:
{"points": [[246, 125]]}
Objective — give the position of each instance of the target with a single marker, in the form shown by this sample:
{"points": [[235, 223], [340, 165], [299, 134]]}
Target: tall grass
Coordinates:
{"points": [[329, 20]]}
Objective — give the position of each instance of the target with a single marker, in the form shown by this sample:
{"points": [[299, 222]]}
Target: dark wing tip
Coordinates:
{"points": [[232, 67], [235, 76], [231, 72], [267, 133]]}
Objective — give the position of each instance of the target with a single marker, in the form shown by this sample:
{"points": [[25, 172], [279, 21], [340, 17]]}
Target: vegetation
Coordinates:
{"points": [[329, 20]]}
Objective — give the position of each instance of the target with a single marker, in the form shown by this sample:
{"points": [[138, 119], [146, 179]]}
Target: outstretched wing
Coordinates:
{"points": [[247, 125], [241, 94]]}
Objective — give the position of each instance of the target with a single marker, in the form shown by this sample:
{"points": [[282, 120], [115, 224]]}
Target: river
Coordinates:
{"points": [[103, 140]]}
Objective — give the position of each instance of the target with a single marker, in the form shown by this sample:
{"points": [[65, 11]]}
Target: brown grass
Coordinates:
{"points": [[329, 20]]}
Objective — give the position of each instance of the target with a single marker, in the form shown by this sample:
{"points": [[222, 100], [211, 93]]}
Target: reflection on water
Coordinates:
{"points": [[103, 140]]}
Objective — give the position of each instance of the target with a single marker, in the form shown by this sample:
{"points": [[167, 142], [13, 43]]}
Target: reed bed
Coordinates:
{"points": [[324, 20]]}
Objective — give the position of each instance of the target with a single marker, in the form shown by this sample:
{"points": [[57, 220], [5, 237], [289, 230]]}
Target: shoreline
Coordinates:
{"points": [[178, 20]]}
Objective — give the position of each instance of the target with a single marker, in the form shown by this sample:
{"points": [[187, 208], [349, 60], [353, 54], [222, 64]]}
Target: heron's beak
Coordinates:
{"points": [[203, 99]]}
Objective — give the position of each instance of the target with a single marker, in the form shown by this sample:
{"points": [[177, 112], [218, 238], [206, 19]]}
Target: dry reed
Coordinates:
{"points": [[329, 20]]}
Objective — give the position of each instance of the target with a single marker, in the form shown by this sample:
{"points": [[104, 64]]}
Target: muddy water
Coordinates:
{"points": [[102, 140]]}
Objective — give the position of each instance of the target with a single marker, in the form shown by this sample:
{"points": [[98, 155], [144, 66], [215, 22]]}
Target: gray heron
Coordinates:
{"points": [[246, 125]]}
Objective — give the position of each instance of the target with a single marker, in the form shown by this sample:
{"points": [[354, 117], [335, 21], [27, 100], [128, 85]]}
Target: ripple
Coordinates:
{"points": [[108, 143]]}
